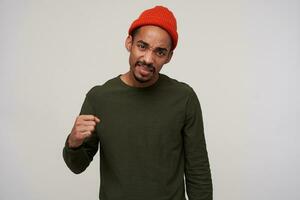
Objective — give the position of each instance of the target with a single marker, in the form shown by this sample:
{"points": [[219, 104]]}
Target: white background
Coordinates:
{"points": [[241, 57]]}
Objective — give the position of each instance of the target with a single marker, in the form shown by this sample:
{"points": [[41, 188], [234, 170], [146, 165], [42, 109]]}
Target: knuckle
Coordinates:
{"points": [[76, 129], [87, 134], [76, 134], [81, 137]]}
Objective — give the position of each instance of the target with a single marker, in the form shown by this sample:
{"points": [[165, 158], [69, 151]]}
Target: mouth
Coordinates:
{"points": [[144, 70]]}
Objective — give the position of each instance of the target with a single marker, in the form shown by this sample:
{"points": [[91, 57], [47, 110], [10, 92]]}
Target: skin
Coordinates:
{"points": [[150, 50], [84, 127]]}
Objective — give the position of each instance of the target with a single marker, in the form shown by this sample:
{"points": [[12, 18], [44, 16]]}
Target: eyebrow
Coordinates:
{"points": [[161, 49], [157, 48], [144, 43]]}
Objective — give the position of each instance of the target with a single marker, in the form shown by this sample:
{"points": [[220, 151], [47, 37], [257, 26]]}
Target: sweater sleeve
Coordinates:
{"points": [[78, 159], [197, 168]]}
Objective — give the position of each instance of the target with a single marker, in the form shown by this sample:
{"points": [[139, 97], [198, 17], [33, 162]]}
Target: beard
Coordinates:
{"points": [[143, 64], [138, 79]]}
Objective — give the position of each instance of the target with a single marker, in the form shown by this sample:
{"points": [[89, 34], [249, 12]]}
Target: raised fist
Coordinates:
{"points": [[83, 127]]}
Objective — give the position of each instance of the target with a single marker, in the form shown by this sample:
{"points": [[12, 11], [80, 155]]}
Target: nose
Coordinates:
{"points": [[148, 57]]}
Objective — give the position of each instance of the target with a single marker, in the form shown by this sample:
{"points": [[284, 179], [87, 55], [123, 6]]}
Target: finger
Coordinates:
{"points": [[90, 118], [86, 128], [87, 117], [86, 123], [97, 119], [86, 134]]}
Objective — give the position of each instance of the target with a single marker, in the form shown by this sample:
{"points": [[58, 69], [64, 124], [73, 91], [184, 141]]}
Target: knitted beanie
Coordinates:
{"points": [[158, 16]]}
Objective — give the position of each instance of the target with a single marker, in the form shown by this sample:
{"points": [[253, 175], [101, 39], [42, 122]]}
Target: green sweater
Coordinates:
{"points": [[149, 139]]}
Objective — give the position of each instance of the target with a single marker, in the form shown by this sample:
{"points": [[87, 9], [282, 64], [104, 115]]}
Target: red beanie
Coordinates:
{"points": [[158, 16]]}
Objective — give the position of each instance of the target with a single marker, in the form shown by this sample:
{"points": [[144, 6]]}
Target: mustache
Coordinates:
{"points": [[149, 65]]}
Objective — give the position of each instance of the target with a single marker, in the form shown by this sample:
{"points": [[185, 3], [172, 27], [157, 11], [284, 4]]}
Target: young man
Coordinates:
{"points": [[149, 126]]}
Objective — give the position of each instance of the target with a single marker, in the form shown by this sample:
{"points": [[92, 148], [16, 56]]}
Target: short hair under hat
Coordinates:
{"points": [[158, 16]]}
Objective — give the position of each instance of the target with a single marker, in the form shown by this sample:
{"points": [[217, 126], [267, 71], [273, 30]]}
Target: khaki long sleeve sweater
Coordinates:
{"points": [[150, 138]]}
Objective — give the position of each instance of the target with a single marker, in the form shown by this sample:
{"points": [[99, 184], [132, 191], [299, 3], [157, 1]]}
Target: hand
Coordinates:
{"points": [[83, 127]]}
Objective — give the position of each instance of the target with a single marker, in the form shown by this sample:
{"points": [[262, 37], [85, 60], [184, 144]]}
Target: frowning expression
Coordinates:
{"points": [[150, 49]]}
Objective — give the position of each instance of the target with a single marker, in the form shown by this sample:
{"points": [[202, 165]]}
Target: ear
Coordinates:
{"points": [[169, 56], [128, 42]]}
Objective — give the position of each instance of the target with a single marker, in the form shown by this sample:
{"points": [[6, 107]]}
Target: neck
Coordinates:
{"points": [[129, 79]]}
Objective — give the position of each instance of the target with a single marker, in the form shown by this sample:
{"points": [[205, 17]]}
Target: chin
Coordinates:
{"points": [[142, 79]]}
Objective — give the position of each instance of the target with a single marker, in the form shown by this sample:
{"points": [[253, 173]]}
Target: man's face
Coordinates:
{"points": [[149, 50]]}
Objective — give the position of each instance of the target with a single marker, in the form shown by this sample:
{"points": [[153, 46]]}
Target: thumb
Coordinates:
{"points": [[97, 120]]}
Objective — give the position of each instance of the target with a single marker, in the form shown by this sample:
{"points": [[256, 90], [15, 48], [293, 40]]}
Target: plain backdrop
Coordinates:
{"points": [[241, 57]]}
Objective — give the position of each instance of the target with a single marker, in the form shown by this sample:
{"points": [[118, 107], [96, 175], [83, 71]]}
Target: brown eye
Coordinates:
{"points": [[141, 46], [161, 53]]}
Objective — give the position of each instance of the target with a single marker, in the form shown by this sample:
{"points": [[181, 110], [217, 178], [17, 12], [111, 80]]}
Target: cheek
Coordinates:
{"points": [[157, 68], [132, 59], [160, 63], [134, 56]]}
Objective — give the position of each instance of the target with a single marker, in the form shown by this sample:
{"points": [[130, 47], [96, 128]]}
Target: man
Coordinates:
{"points": [[149, 126]]}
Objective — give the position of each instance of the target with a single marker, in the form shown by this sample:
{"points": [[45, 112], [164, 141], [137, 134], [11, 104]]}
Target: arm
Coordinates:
{"points": [[197, 169], [78, 158]]}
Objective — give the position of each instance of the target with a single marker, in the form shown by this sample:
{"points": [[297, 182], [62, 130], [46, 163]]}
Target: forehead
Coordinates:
{"points": [[154, 36]]}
